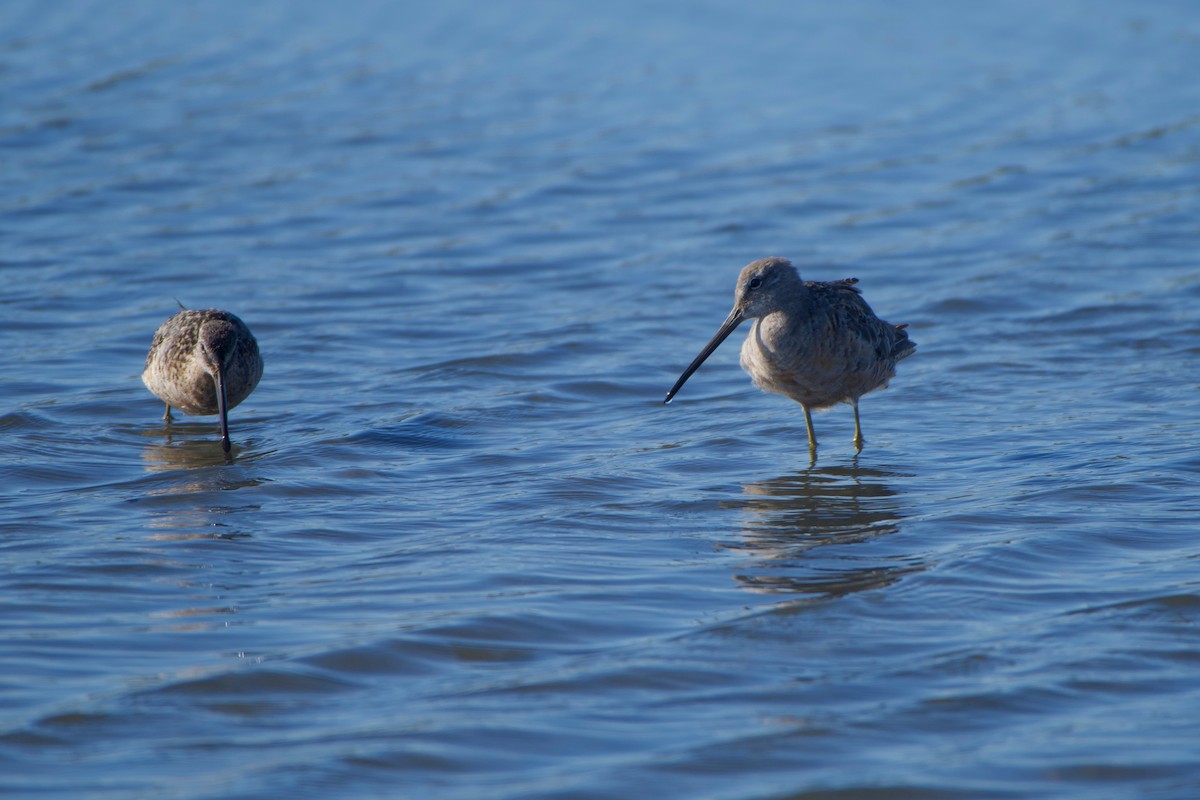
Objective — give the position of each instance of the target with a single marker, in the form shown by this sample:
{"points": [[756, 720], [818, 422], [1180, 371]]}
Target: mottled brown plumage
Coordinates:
{"points": [[203, 362], [818, 343]]}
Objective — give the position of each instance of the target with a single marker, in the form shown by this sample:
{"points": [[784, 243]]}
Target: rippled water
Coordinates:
{"points": [[464, 551]]}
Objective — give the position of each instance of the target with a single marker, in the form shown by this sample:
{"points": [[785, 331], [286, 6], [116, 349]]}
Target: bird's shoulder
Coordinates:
{"points": [[840, 309], [834, 287], [840, 299]]}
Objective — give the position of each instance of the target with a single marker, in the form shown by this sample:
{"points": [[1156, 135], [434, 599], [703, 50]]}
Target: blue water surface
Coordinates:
{"points": [[462, 550]]}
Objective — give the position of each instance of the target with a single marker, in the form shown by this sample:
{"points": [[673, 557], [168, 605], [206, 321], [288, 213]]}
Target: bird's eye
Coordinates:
{"points": [[755, 282]]}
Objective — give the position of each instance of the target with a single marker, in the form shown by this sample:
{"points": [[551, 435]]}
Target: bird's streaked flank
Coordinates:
{"points": [[816, 342], [203, 362]]}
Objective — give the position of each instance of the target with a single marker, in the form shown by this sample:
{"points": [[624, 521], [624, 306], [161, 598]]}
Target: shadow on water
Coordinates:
{"points": [[789, 517]]}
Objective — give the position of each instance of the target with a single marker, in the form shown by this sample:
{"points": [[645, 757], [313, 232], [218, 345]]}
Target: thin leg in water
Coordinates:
{"points": [[167, 413], [858, 437], [812, 435]]}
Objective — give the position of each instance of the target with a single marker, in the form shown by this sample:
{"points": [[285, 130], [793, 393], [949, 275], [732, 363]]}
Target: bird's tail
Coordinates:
{"points": [[904, 346]]}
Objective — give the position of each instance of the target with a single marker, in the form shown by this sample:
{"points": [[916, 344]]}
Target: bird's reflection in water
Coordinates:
{"points": [[177, 446], [184, 447], [196, 524], [190, 500], [195, 531], [788, 517]]}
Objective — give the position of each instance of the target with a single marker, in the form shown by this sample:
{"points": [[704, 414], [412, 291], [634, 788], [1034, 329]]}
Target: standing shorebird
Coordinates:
{"points": [[818, 343], [203, 362]]}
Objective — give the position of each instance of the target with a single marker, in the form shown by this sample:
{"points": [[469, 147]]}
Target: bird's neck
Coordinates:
{"points": [[790, 299]]}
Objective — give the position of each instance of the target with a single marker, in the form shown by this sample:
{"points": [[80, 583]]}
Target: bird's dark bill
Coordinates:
{"points": [[223, 411], [732, 321]]}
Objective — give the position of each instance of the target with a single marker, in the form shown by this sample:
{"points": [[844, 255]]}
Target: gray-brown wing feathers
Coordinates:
{"points": [[857, 325]]}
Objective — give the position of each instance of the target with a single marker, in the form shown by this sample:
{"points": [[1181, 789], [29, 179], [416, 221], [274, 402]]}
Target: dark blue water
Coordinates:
{"points": [[463, 550]]}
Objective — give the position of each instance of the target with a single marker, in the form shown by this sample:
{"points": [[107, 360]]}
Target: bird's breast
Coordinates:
{"points": [[790, 357], [767, 358]]}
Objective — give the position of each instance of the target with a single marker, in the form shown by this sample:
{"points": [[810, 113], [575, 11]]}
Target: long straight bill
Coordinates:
{"points": [[732, 321], [223, 410]]}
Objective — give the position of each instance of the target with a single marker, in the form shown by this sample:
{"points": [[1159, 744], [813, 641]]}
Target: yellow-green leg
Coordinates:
{"points": [[812, 435], [858, 437]]}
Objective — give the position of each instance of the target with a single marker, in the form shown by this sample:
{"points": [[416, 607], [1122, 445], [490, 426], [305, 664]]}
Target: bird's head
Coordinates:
{"points": [[218, 344], [763, 285]]}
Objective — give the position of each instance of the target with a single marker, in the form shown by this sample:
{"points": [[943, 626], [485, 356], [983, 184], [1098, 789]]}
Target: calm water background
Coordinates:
{"points": [[464, 551]]}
